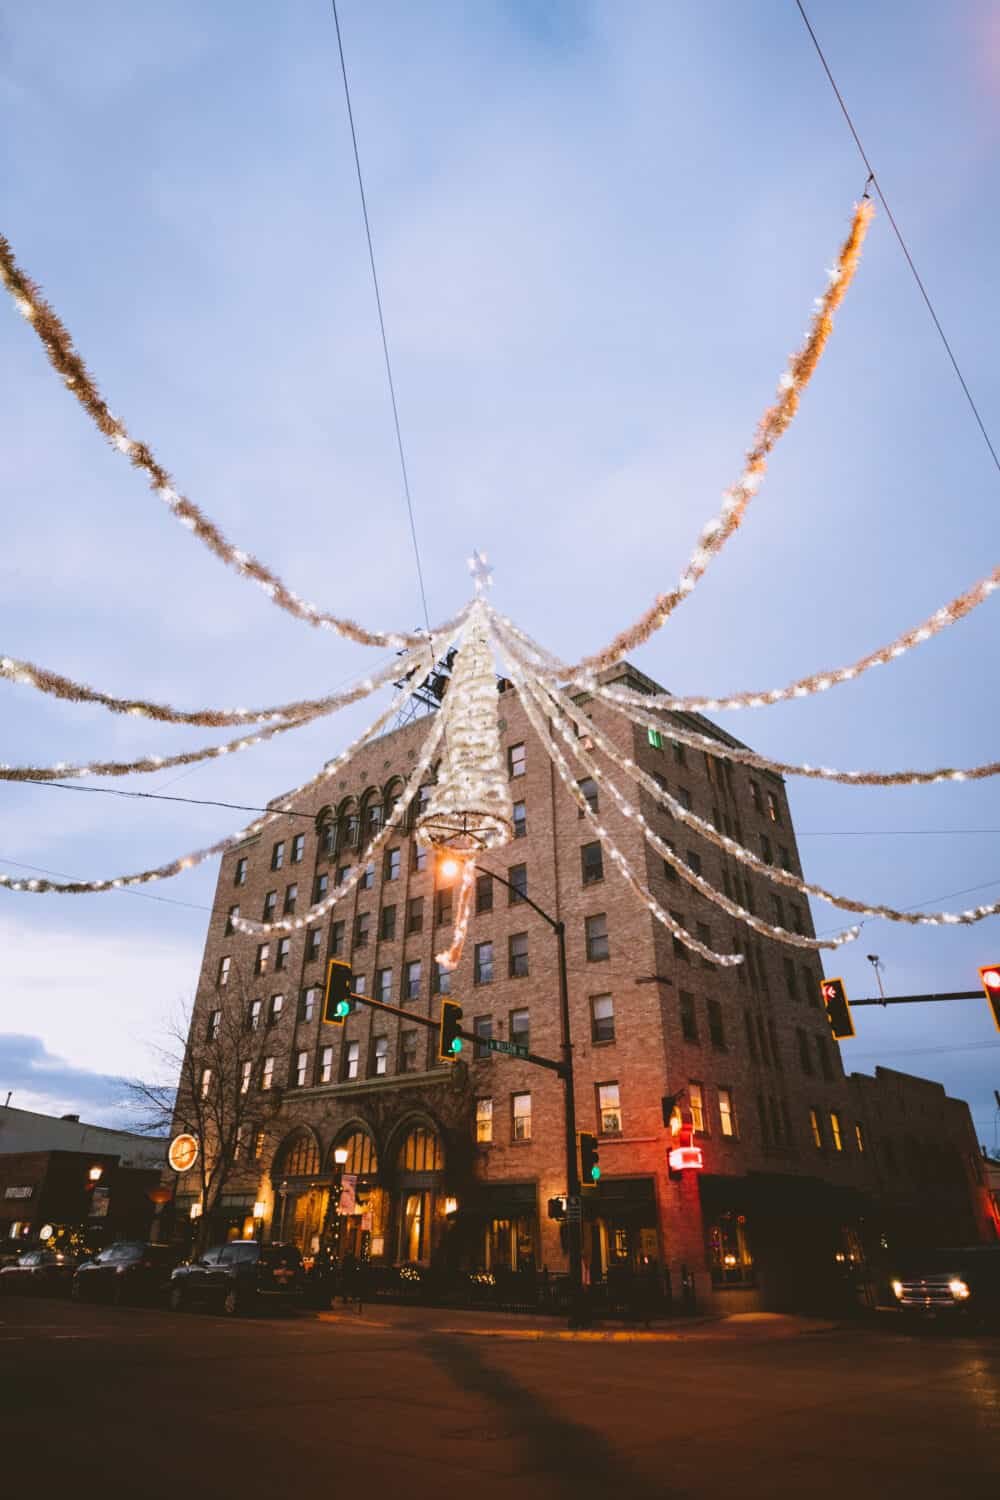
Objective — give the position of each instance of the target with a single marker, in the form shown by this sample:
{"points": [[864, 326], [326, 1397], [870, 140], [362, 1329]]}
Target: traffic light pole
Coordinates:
{"points": [[918, 999]]}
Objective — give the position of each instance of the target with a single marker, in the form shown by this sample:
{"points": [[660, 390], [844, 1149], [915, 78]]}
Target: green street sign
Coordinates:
{"points": [[512, 1049]]}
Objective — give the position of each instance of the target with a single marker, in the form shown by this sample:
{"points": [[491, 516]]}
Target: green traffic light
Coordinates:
{"points": [[343, 1008], [456, 1045], [595, 1173]]}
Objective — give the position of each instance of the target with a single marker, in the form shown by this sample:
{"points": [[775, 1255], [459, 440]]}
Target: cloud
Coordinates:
{"points": [[42, 1081]]}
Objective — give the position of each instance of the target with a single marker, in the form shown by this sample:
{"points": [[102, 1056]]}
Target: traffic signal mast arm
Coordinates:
{"points": [[917, 999]]}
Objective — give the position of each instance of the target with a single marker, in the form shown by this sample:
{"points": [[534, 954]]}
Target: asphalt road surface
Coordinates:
{"points": [[141, 1402]]}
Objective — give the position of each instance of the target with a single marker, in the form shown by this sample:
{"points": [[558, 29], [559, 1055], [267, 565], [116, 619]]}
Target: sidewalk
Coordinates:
{"points": [[480, 1324]]}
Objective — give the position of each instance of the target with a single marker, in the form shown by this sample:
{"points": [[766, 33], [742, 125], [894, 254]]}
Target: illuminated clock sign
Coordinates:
{"points": [[685, 1159], [183, 1152]]}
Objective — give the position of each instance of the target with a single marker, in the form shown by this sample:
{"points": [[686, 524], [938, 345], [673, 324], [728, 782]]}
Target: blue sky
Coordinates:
{"points": [[600, 229]]}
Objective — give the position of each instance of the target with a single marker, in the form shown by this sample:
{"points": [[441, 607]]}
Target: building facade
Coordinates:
{"points": [[453, 1164]]}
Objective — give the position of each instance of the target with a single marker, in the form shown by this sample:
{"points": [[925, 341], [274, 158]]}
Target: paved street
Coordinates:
{"points": [[135, 1401]]}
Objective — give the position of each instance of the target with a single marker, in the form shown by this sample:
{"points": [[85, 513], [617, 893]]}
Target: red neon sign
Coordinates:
{"points": [[685, 1159]]}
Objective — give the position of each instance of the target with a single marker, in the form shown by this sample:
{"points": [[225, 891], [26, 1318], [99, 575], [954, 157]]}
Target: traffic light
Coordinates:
{"points": [[557, 1208], [838, 1011], [337, 999], [990, 978], [450, 1035], [590, 1167]]}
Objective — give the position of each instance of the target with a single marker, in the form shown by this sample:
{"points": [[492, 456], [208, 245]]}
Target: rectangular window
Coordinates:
{"points": [[274, 1011], [520, 820], [482, 1032], [602, 1018], [791, 981], [291, 896], [796, 915], [362, 929], [520, 1028], [415, 914], [320, 887], [591, 863], [767, 853], [240, 873], [518, 955], [408, 1051], [352, 1053], [278, 855], [517, 761], [518, 878], [206, 1082], [359, 984], [681, 950], [817, 1134], [284, 949], [223, 976], [751, 1038], [655, 738], [484, 893], [326, 1065], [260, 962], [387, 926], [811, 985], [393, 863], [214, 1025], [521, 1117], [381, 1055], [696, 1103], [442, 979], [298, 848], [588, 786], [859, 1135], [773, 808], [704, 935], [420, 853], [231, 916], [786, 859], [314, 943], [301, 1069], [253, 1017], [775, 1049], [684, 798], [838, 1140], [716, 1030], [689, 1017], [755, 796], [777, 910], [609, 1109], [727, 1115], [765, 1128], [343, 874], [259, 1142], [328, 841], [413, 972], [337, 938], [693, 861], [267, 1073], [368, 878], [805, 1057], [443, 900], [246, 1072], [484, 963], [309, 1004], [383, 986], [669, 870], [484, 1121], [596, 928], [823, 1053]]}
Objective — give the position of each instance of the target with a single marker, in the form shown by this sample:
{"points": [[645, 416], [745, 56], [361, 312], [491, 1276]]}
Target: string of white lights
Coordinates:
{"points": [[538, 724], [449, 957], [221, 846]]}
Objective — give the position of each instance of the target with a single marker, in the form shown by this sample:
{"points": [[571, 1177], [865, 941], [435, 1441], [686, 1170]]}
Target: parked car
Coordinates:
{"points": [[47, 1271], [127, 1271], [238, 1276], [953, 1286]]}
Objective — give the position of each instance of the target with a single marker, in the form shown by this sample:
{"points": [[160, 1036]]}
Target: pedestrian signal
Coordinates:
{"points": [[838, 1011], [990, 977]]}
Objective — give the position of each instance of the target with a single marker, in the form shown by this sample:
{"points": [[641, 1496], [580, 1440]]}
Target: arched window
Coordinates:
{"points": [[421, 1151], [393, 792], [300, 1157], [371, 816], [362, 1158], [326, 828]]}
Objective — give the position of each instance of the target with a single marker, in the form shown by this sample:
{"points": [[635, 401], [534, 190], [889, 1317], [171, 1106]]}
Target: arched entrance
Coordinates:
{"points": [[358, 1215], [301, 1192], [418, 1198]]}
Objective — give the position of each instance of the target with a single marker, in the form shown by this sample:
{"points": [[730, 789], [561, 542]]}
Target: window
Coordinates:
{"points": [[359, 984], [301, 1069], [823, 1053], [684, 798], [838, 1140], [291, 896], [259, 1142], [362, 928], [326, 1065], [231, 916], [596, 929], [767, 853], [381, 1055], [520, 820], [791, 982], [517, 762], [811, 984], [443, 901], [240, 873], [223, 976], [704, 935], [214, 1025], [383, 986], [413, 971], [484, 893], [785, 858], [521, 1117], [393, 864], [337, 930], [420, 853], [669, 870], [314, 941], [284, 948], [442, 979], [253, 1018], [343, 874], [518, 955], [805, 1057], [796, 914], [689, 1017], [755, 796], [298, 848], [206, 1082], [765, 1128], [775, 1049], [609, 1109], [777, 910], [278, 855], [696, 1103], [716, 1030], [415, 914], [482, 1032], [591, 863], [246, 1072], [484, 1121], [351, 1054], [655, 738], [387, 926], [368, 878], [520, 1028], [308, 1004], [267, 1073], [588, 786], [320, 887], [518, 877], [408, 1051], [817, 1134], [681, 950], [260, 962], [373, 819], [484, 963], [727, 1115], [773, 808], [328, 840], [602, 1018], [276, 1007], [859, 1135], [751, 1039]]}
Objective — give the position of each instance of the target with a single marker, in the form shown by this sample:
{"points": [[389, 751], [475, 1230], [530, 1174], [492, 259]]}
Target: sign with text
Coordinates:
{"points": [[183, 1152], [512, 1049]]}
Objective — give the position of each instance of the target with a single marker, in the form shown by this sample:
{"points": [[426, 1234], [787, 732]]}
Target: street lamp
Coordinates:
{"points": [[95, 1174]]}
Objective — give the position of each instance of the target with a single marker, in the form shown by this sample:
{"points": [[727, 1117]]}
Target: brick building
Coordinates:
{"points": [[454, 1163]]}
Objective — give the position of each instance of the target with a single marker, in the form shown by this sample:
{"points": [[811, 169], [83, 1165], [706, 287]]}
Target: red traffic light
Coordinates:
{"points": [[989, 976], [838, 1012]]}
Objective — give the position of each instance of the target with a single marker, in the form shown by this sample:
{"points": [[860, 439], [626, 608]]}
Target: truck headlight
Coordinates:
{"points": [[959, 1289], [897, 1288]]}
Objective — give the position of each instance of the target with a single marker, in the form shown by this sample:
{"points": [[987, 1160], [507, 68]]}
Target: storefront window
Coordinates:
{"points": [[729, 1251]]}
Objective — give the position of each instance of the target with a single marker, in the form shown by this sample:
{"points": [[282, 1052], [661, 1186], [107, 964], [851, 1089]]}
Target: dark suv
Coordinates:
{"points": [[127, 1271], [239, 1275], [950, 1286]]}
